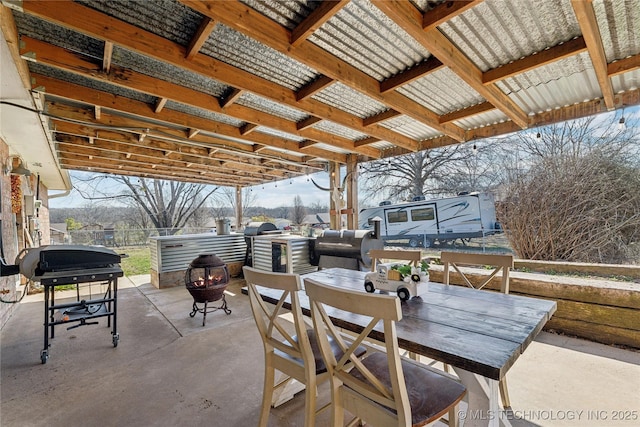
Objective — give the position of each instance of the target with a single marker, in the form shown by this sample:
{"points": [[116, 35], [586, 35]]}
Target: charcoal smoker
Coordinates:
{"points": [[347, 248], [206, 280]]}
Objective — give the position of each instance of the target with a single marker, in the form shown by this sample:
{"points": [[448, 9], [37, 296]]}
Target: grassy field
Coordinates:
{"points": [[138, 260]]}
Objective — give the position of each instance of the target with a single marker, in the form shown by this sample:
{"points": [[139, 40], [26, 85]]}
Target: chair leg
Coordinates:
{"points": [[310, 403], [504, 394], [267, 394]]}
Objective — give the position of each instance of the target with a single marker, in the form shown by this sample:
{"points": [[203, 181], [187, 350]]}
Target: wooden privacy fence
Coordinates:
{"points": [[604, 311]]}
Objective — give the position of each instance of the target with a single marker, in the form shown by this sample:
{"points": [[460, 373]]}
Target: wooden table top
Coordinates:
{"points": [[483, 332]]}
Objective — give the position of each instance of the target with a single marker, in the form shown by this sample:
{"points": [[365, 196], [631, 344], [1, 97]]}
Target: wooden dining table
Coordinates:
{"points": [[479, 333]]}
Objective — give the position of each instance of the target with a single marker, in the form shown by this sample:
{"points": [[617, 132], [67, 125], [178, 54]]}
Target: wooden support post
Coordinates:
{"points": [[334, 184], [352, 192], [238, 208]]}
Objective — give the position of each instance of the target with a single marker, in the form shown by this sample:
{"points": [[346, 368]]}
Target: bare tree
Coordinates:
{"points": [[168, 204], [299, 211], [415, 174]]}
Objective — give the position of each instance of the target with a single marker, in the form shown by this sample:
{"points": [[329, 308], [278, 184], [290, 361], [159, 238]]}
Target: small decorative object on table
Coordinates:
{"points": [[206, 280], [400, 278]]}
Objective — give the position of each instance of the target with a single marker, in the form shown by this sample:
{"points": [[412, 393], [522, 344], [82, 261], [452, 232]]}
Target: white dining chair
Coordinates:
{"points": [[382, 389], [457, 261], [295, 355]]}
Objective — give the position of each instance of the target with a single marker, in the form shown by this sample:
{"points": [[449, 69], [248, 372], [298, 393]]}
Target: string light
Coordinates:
{"points": [[538, 135], [621, 125]]}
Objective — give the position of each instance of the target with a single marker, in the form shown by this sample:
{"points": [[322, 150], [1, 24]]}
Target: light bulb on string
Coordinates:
{"points": [[621, 124]]}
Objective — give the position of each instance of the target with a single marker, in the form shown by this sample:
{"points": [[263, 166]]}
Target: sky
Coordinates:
{"points": [[283, 192]]}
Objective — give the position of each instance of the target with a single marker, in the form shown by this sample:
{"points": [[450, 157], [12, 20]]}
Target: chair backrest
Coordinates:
{"points": [[413, 257], [366, 388], [274, 328], [498, 262]]}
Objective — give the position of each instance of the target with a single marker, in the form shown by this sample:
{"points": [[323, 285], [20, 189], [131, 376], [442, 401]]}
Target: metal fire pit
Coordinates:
{"points": [[206, 280]]}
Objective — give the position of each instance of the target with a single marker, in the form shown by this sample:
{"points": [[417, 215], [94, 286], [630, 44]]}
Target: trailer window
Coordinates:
{"points": [[398, 216], [424, 214]]}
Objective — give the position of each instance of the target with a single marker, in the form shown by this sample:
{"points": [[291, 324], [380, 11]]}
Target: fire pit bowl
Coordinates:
{"points": [[206, 280]]}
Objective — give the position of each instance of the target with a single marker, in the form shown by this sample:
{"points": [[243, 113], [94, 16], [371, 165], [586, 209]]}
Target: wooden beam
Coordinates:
{"points": [[411, 20], [160, 102], [380, 117], [193, 132], [586, 17], [231, 97], [467, 112], [321, 14], [313, 87], [306, 144], [367, 141], [445, 11], [623, 65], [106, 56], [247, 128], [97, 110], [201, 36], [72, 62], [308, 122], [104, 27], [427, 66], [275, 36], [10, 32], [538, 59]]}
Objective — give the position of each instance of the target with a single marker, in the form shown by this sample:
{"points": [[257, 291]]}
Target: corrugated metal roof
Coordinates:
{"points": [[259, 103], [407, 126], [245, 53], [367, 39], [496, 32], [152, 67], [205, 114], [346, 99], [555, 85], [286, 13], [40, 29], [339, 130], [279, 134], [481, 120], [619, 23], [442, 92], [101, 85], [167, 18]]}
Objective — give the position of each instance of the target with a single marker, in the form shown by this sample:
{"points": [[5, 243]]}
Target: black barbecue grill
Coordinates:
{"points": [[59, 265]]}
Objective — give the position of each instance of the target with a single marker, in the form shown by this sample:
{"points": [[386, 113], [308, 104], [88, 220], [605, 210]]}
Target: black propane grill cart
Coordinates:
{"points": [[60, 265]]}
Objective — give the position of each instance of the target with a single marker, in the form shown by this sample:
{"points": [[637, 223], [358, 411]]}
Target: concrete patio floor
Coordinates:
{"points": [[169, 370]]}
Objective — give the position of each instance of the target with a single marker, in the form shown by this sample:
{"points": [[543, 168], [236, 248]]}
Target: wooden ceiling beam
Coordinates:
{"points": [[231, 98], [9, 30], [308, 122], [104, 27], [467, 112], [623, 65], [313, 87], [380, 117], [411, 20], [586, 17], [273, 35], [445, 11], [420, 70], [106, 56], [72, 62], [321, 14], [538, 59], [202, 34], [109, 121]]}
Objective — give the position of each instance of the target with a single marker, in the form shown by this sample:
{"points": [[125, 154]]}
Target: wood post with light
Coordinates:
{"points": [[334, 185], [352, 192], [238, 208]]}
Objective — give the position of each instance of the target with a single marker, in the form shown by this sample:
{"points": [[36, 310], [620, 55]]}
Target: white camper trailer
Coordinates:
{"points": [[424, 222]]}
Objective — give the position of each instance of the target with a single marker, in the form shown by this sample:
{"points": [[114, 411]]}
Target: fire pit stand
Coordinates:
{"points": [[206, 280]]}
